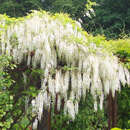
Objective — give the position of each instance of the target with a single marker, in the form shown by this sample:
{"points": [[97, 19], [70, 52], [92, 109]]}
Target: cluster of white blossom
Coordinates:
{"points": [[43, 41]]}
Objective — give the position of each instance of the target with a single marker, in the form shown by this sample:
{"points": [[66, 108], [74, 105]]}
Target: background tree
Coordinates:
{"points": [[17, 8], [112, 18]]}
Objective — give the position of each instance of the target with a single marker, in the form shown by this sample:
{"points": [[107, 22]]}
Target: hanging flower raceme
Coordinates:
{"points": [[53, 42]]}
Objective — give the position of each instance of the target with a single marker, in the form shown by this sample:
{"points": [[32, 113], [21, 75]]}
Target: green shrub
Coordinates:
{"points": [[17, 8], [124, 108], [6, 97], [15, 112]]}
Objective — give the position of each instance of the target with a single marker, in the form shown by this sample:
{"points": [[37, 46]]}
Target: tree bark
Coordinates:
{"points": [[45, 123], [112, 110]]}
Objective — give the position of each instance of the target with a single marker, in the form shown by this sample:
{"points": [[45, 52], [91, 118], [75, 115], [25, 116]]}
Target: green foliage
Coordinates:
{"points": [[17, 8], [86, 119], [76, 8], [15, 109], [121, 48], [111, 18], [124, 108], [6, 98], [116, 129]]}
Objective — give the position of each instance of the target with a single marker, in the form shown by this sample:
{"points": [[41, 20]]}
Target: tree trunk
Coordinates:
{"points": [[112, 110], [45, 123]]}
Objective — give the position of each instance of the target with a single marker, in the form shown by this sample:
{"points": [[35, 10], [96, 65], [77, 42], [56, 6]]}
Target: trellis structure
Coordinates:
{"points": [[72, 65]]}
